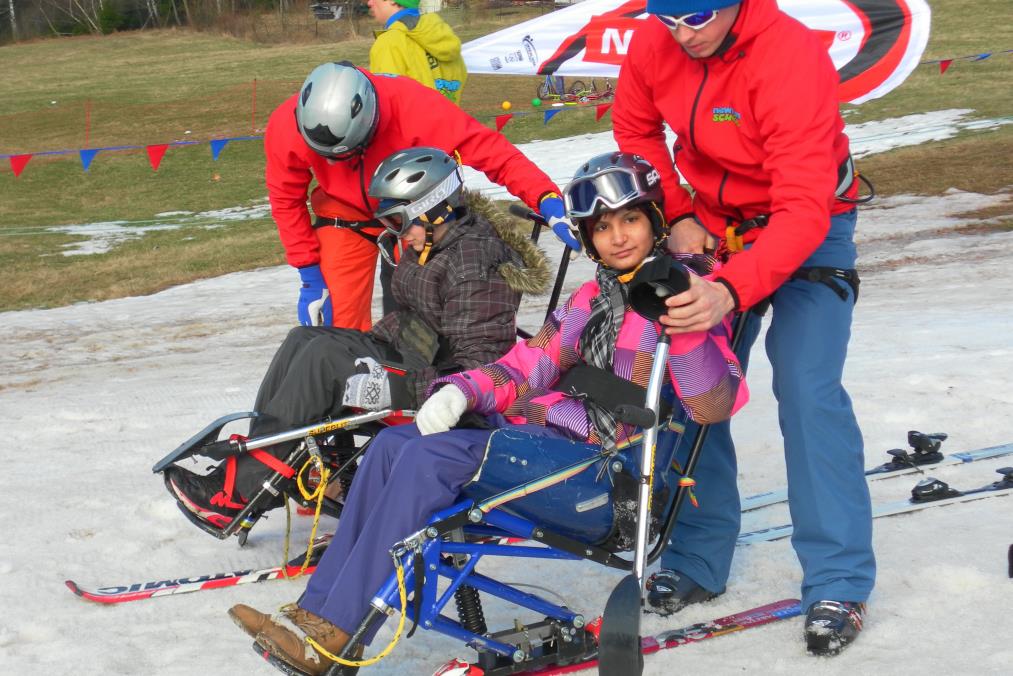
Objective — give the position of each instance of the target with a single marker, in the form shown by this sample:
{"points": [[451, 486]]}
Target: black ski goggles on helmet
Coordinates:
{"points": [[606, 190]]}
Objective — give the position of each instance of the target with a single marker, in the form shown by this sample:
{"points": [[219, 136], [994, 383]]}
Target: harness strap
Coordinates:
{"points": [[267, 459], [223, 498], [419, 565], [828, 276], [846, 176]]}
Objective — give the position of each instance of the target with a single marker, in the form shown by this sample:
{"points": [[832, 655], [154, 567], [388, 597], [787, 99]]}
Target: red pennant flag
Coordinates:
{"points": [[501, 121], [18, 163], [156, 153], [944, 64], [600, 110]]}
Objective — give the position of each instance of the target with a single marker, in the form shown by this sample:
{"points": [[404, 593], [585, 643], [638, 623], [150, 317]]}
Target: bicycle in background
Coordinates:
{"points": [[554, 88]]}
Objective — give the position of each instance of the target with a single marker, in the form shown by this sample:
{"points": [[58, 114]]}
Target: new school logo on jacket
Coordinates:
{"points": [[726, 114]]}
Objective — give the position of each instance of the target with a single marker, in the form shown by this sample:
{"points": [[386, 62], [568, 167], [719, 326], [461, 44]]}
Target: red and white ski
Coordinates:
{"points": [[772, 612], [139, 591], [755, 617]]}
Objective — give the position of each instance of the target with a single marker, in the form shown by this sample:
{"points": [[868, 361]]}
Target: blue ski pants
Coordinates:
{"points": [[828, 496], [404, 478]]}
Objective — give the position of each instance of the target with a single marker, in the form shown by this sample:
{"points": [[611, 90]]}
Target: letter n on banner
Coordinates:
{"points": [[18, 163], [156, 153]]}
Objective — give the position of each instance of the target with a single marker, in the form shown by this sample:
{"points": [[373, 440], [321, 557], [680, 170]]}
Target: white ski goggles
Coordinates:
{"points": [[611, 188], [696, 21]]}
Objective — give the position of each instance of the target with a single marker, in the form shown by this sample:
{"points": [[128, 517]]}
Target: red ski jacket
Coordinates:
{"points": [[410, 115], [759, 132]]}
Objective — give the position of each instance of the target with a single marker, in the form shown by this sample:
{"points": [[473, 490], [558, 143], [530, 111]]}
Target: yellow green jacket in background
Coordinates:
{"points": [[429, 53]]}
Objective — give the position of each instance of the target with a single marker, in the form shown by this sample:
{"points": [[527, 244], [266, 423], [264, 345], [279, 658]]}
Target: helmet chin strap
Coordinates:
{"points": [[429, 225]]}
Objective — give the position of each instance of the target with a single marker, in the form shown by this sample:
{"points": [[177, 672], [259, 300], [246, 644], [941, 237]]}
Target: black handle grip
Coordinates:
{"points": [[524, 212], [638, 416]]}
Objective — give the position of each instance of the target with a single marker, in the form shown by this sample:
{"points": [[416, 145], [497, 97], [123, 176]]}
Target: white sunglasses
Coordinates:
{"points": [[696, 21]]}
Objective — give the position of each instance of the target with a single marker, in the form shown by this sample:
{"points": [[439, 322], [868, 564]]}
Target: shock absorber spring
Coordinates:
{"points": [[469, 609]]}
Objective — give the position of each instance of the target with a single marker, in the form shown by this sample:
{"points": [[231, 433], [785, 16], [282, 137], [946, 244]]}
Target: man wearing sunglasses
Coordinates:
{"points": [[752, 97]]}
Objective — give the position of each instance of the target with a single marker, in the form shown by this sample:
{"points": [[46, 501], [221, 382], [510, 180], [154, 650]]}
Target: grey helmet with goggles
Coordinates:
{"points": [[336, 111], [614, 181], [418, 186]]}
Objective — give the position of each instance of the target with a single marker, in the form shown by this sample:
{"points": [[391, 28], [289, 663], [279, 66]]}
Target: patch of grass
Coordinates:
{"points": [[973, 162], [148, 87], [139, 267]]}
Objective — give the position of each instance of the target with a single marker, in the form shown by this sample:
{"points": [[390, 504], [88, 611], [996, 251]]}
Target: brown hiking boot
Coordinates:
{"points": [[251, 620], [285, 637]]}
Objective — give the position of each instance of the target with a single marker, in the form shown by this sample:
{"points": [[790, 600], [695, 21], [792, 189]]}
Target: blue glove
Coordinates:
{"points": [[554, 213], [314, 299]]}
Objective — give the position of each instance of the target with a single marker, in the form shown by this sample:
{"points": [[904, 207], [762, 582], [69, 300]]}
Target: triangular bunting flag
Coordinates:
{"points": [[156, 153], [501, 121], [548, 115], [983, 56], [944, 64], [18, 163], [86, 157], [216, 147], [600, 110]]}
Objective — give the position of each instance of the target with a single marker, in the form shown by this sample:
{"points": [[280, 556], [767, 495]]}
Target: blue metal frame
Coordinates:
{"points": [[496, 523]]}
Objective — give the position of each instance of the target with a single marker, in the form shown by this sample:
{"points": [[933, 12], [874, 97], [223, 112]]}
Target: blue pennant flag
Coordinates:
{"points": [[86, 157], [982, 56], [216, 147], [549, 114]]}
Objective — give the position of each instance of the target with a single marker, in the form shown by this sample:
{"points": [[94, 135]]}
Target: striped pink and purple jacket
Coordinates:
{"points": [[702, 369]]}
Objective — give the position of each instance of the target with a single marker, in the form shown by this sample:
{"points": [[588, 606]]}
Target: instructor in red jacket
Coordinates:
{"points": [[339, 127], [752, 97]]}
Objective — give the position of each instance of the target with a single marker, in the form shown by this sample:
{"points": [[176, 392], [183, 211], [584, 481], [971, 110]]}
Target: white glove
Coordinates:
{"points": [[442, 410], [370, 390]]}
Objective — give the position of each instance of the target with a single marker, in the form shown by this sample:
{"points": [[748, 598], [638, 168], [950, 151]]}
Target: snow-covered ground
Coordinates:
{"points": [[92, 395]]}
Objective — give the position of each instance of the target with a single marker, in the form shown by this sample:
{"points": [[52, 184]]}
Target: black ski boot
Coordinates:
{"points": [[210, 497], [669, 591], [831, 625]]}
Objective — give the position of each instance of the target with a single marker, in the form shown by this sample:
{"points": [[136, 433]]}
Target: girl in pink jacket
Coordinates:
{"points": [[412, 471]]}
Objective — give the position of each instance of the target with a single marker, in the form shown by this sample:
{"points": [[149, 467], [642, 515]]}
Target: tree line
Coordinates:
{"points": [[26, 19]]}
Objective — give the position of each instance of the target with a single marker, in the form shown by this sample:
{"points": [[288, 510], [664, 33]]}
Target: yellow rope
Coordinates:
{"points": [[317, 495], [403, 593]]}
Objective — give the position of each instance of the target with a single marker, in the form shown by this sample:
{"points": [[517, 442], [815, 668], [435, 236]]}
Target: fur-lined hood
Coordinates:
{"points": [[535, 275]]}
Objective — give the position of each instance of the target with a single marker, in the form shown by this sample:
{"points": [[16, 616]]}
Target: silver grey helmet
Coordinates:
{"points": [[336, 112], [418, 183]]}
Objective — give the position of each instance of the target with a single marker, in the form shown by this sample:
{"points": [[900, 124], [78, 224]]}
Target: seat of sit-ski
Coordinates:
{"points": [[569, 487]]}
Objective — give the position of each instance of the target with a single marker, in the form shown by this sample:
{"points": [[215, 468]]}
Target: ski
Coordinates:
{"points": [[904, 462], [139, 591], [673, 638], [929, 492]]}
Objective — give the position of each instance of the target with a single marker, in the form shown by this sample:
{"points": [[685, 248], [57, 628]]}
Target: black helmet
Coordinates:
{"points": [[336, 111], [611, 181]]}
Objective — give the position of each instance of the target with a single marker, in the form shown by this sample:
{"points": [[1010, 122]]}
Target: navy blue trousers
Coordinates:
{"points": [[828, 497], [404, 478]]}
